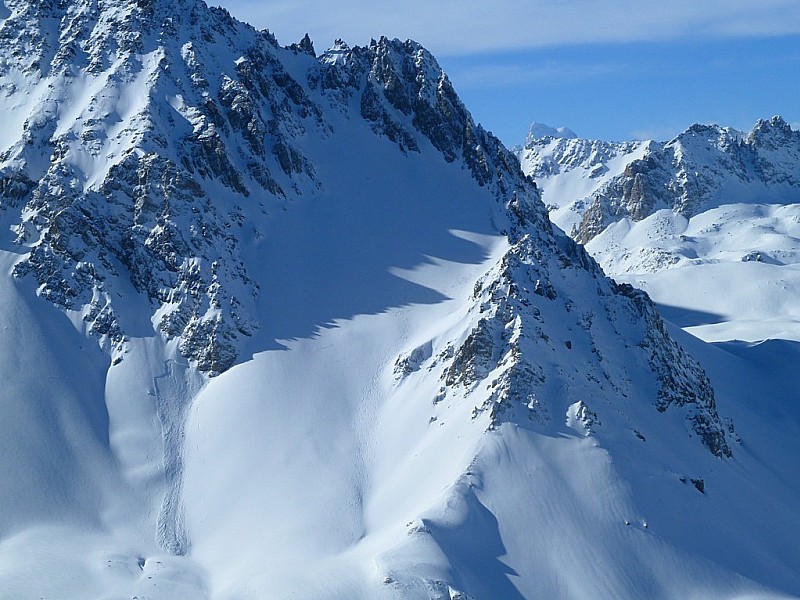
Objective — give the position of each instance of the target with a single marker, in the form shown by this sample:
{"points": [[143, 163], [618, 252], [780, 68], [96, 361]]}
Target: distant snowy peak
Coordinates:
{"points": [[543, 157], [538, 131], [599, 183], [703, 167], [571, 169]]}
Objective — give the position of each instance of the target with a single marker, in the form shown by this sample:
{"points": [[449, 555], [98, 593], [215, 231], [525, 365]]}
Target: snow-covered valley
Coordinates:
{"points": [[733, 269], [280, 325]]}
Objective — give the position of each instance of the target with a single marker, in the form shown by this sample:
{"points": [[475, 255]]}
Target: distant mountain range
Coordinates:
{"points": [[596, 183], [707, 222]]}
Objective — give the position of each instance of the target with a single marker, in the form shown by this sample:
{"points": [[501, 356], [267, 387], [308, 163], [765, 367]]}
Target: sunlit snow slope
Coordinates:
{"points": [[285, 326]]}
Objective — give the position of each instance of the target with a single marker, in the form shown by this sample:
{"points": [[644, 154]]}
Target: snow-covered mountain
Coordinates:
{"points": [[570, 170], [591, 183], [540, 130], [284, 325], [707, 221]]}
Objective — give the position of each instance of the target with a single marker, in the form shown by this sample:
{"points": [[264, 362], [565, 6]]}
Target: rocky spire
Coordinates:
{"points": [[304, 45]]}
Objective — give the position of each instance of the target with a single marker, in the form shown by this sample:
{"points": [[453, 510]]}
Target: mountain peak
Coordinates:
{"points": [[774, 132], [540, 130], [195, 106], [305, 45], [337, 53], [689, 174], [775, 121]]}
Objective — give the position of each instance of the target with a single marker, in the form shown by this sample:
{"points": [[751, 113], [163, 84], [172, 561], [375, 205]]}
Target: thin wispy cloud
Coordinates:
{"points": [[450, 27]]}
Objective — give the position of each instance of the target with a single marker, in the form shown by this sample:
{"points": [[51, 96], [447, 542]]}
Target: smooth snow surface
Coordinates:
{"points": [[730, 273], [82, 450], [319, 456]]}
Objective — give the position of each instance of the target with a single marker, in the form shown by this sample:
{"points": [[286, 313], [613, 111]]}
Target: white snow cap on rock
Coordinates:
{"points": [[540, 130]]}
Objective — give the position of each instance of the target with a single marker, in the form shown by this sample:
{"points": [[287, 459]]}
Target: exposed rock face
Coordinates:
{"points": [[681, 381], [518, 357]]}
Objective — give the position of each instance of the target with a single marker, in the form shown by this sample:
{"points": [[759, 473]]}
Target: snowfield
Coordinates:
{"points": [[732, 269]]}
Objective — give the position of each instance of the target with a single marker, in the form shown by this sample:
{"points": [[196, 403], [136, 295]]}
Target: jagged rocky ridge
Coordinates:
{"points": [[549, 151], [516, 360], [146, 134], [702, 168]]}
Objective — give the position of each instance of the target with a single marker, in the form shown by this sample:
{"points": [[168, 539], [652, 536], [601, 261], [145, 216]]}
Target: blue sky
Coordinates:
{"points": [[616, 69]]}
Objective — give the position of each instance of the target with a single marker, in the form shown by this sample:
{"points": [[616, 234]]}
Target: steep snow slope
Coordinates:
{"points": [[343, 352]]}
